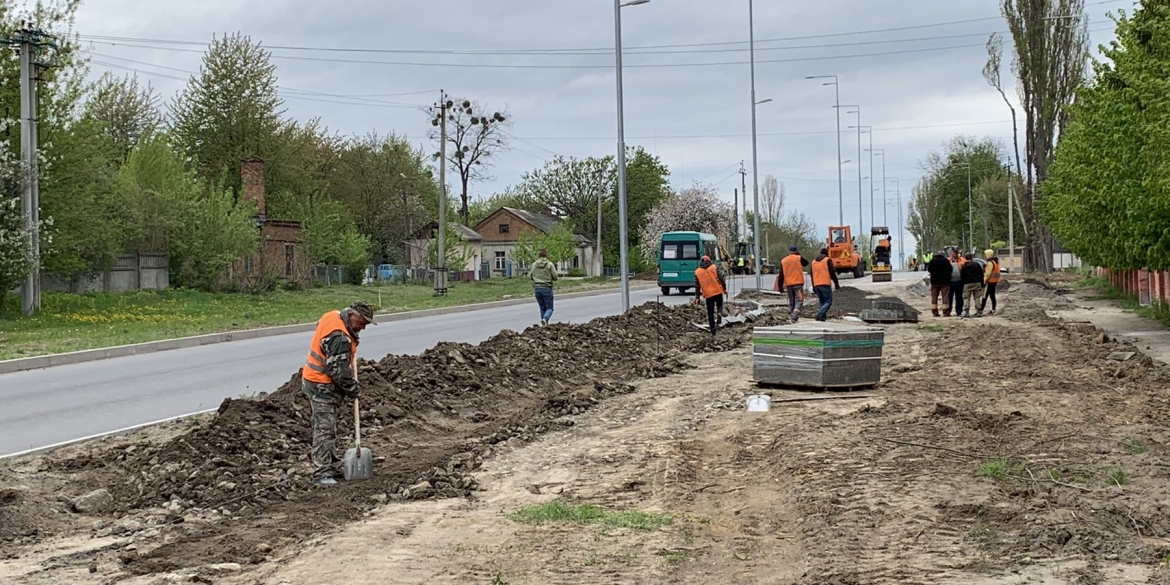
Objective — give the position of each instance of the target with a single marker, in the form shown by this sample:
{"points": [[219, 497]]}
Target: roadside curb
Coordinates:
{"points": [[90, 355]]}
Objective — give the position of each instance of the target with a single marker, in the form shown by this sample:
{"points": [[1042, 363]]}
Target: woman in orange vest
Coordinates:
{"points": [[824, 279], [327, 379], [792, 271], [709, 285], [992, 276]]}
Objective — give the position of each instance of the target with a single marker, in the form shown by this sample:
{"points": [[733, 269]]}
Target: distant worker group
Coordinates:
{"points": [[962, 283]]}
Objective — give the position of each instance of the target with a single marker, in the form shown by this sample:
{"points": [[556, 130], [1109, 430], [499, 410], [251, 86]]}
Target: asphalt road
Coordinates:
{"points": [[66, 403]]}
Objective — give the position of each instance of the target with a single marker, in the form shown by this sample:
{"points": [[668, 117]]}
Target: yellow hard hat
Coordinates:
{"points": [[989, 253]]}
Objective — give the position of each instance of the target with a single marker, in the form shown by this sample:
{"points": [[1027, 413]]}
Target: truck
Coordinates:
{"points": [[846, 258], [744, 260]]}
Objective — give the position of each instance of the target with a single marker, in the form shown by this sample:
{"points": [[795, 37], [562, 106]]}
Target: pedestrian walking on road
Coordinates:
{"points": [[711, 287], [991, 275], [824, 279], [792, 271], [955, 295], [940, 282], [327, 378], [543, 275], [972, 274]]}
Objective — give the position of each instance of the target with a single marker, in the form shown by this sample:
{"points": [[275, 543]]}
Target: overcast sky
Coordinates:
{"points": [[914, 66]]}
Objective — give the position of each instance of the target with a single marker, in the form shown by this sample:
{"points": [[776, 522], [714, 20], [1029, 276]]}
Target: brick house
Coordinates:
{"points": [[501, 231], [283, 254], [420, 249]]}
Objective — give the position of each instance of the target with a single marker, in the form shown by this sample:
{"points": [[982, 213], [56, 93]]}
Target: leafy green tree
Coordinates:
{"points": [[216, 232], [387, 187], [126, 110], [511, 197], [647, 185], [1108, 197], [229, 112], [943, 209], [571, 189]]}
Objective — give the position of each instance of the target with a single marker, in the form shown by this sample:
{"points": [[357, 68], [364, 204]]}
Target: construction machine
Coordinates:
{"points": [[744, 260], [883, 269], [846, 258]]}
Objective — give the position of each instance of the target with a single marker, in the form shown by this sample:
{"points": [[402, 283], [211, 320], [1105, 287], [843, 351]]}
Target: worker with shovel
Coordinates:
{"points": [[328, 379], [710, 285]]}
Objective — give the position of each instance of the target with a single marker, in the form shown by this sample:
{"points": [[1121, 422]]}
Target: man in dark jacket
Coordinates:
{"points": [[940, 281], [972, 276], [955, 295]]}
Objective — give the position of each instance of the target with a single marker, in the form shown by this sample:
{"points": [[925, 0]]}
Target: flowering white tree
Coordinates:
{"points": [[697, 208]]}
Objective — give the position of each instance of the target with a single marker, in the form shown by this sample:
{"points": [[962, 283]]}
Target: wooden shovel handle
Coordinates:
{"points": [[357, 419]]}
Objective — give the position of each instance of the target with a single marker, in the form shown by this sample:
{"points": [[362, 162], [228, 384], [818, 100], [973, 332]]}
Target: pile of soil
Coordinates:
{"points": [[243, 478]]}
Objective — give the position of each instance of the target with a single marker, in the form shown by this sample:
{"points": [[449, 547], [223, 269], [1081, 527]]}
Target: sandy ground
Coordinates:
{"points": [[1013, 449]]}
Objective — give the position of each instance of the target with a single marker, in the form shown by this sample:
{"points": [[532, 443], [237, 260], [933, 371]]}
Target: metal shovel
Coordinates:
{"points": [[359, 461]]}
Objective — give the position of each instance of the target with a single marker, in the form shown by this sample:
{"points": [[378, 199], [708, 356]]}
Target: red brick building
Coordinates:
{"points": [[282, 254]]}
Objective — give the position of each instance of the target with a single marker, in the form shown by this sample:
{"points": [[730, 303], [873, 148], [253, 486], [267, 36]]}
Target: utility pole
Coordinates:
{"points": [[743, 189], [735, 203], [29, 41], [599, 261], [755, 159], [441, 269]]}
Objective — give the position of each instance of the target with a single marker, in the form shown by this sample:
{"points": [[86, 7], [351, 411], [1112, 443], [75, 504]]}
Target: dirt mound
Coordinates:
{"points": [[429, 419]]}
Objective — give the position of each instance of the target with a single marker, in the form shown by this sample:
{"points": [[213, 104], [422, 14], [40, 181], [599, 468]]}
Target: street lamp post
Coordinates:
{"points": [[901, 240], [882, 153], [860, 213], [755, 159], [840, 179], [623, 235], [868, 130], [970, 243]]}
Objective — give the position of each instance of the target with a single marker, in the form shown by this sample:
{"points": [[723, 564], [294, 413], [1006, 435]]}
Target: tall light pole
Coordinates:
{"points": [[755, 160], [623, 229], [860, 213], [970, 218], [882, 153], [901, 247], [840, 179]]}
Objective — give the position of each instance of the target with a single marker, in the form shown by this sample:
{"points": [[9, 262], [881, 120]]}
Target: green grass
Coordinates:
{"points": [[559, 512], [1118, 476], [1134, 446], [1000, 469], [70, 322]]}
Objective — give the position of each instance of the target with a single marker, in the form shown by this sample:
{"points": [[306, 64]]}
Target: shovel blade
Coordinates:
{"points": [[358, 465]]}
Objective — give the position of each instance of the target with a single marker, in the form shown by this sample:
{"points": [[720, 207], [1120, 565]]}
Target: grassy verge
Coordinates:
{"points": [[75, 322], [559, 512], [1106, 290]]}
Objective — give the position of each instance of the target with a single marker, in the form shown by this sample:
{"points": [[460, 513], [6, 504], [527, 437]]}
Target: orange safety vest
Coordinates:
{"points": [[793, 272], [820, 273], [709, 281], [314, 370], [994, 278]]}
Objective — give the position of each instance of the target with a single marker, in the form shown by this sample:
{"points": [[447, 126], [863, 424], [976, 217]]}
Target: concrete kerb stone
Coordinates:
{"points": [[90, 355]]}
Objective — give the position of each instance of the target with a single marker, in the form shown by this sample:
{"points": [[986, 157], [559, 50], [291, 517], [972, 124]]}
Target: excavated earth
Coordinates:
{"points": [[229, 489]]}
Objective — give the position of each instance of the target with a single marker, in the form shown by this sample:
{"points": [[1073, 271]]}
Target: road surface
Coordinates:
{"points": [[66, 403]]}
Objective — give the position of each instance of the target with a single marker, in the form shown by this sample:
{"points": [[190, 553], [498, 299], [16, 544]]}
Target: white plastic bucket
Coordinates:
{"points": [[759, 403]]}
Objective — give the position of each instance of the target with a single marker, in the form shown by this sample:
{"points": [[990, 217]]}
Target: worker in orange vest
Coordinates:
{"points": [[709, 285], [824, 280], [992, 277], [328, 379], [792, 271]]}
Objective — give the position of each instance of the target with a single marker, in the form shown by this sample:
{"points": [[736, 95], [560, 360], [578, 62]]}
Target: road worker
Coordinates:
{"points": [[710, 286], [824, 279], [327, 378], [991, 274], [792, 271]]}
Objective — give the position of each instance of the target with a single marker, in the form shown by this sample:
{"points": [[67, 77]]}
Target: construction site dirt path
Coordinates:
{"points": [[1018, 448]]}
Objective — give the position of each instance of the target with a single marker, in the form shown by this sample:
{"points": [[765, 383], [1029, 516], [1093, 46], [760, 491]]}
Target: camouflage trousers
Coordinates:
{"points": [[324, 403]]}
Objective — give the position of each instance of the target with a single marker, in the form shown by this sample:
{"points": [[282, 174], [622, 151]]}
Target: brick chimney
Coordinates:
{"points": [[252, 178]]}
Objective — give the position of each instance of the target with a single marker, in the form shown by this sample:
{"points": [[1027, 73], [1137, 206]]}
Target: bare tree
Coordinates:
{"points": [[772, 195], [474, 138], [1051, 43], [992, 73]]}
